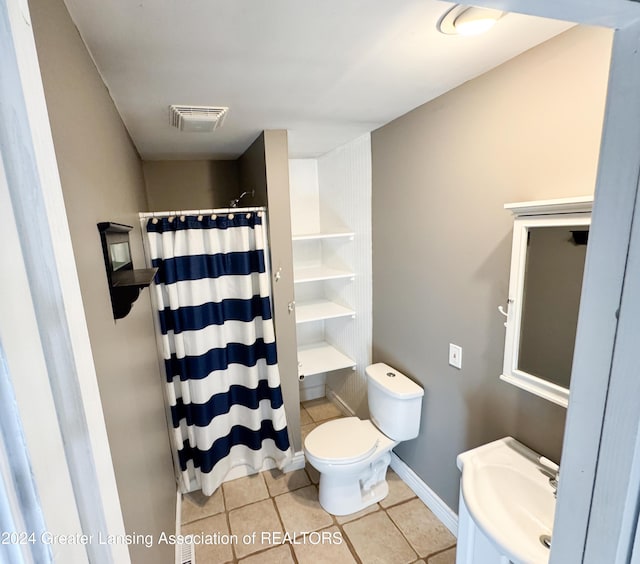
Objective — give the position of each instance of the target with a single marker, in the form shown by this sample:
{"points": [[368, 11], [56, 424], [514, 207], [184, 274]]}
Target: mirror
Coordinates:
{"points": [[119, 254], [547, 267]]}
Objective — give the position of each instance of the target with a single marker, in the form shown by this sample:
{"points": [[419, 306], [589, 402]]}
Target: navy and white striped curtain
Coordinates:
{"points": [[218, 345]]}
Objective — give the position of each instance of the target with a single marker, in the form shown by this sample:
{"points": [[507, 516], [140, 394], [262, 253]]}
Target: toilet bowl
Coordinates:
{"points": [[353, 468], [352, 455]]}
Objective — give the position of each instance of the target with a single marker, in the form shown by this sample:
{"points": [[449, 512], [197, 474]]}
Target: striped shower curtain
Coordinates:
{"points": [[218, 345]]}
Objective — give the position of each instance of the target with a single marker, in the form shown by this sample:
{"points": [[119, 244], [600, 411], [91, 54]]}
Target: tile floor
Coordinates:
{"points": [[261, 519]]}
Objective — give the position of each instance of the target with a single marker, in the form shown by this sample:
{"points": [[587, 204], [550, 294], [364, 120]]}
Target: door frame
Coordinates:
{"points": [[51, 363]]}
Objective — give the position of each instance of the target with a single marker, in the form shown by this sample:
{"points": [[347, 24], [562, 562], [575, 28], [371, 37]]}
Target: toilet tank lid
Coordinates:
{"points": [[393, 381]]}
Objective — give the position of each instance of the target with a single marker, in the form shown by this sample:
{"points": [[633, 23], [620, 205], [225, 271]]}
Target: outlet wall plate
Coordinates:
{"points": [[455, 356]]}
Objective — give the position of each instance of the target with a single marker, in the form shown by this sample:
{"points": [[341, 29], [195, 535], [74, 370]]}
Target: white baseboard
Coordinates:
{"points": [[297, 462], [440, 509]]}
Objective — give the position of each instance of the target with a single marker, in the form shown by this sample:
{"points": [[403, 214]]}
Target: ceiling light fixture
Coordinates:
{"points": [[468, 20]]}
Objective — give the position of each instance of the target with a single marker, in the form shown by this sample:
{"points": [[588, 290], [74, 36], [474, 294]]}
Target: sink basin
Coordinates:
{"points": [[508, 496]]}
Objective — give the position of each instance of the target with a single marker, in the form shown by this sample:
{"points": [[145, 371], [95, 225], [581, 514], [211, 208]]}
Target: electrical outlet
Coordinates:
{"points": [[455, 356]]}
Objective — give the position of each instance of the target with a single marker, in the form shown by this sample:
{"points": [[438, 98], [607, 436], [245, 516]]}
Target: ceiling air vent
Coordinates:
{"points": [[197, 118]]}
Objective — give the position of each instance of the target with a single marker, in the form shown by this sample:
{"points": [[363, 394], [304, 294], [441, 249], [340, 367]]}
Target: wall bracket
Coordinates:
{"points": [[125, 282]]}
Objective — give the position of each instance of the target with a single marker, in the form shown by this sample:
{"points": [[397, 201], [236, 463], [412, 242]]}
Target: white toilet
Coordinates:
{"points": [[352, 455]]}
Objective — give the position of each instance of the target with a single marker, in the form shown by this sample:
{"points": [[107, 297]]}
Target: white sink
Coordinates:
{"points": [[507, 493]]}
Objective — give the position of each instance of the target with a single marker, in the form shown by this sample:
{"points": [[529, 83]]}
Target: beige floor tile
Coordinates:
{"points": [[322, 409], [377, 540], [398, 490], [446, 557], [328, 548], [353, 516], [313, 474], [301, 511], [278, 555], [306, 429], [421, 527], [211, 550], [244, 491], [260, 518], [305, 418], [279, 482], [196, 506]]}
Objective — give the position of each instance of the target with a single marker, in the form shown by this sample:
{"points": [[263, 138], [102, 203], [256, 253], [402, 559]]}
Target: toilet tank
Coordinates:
{"points": [[395, 402]]}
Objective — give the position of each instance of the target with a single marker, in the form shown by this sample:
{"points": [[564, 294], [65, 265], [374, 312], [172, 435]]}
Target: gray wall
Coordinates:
{"points": [[528, 130], [264, 167], [102, 180], [253, 171], [189, 185]]}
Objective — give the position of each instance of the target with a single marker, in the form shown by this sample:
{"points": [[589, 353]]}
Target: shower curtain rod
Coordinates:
{"points": [[145, 215]]}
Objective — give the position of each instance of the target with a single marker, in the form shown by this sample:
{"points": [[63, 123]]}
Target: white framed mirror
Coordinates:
{"points": [[547, 264]]}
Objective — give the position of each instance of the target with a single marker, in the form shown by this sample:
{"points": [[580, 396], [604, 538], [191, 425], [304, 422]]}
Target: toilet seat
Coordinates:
{"points": [[343, 441]]}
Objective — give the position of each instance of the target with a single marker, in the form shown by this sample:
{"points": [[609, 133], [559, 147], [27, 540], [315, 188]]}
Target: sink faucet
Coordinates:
{"points": [[554, 481], [554, 469]]}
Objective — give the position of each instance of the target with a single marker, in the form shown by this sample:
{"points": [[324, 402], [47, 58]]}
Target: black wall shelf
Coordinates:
{"points": [[125, 282]]}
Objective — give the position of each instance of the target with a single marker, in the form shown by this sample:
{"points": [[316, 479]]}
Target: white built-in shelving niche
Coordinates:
{"points": [[319, 271], [313, 263], [331, 227]]}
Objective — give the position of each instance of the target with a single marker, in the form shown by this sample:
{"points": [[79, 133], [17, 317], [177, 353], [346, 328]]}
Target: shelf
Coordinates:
{"points": [[321, 357], [315, 273], [317, 310], [324, 235], [140, 277], [125, 282]]}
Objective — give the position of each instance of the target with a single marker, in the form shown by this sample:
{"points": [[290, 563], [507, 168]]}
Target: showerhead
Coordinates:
{"points": [[234, 203]]}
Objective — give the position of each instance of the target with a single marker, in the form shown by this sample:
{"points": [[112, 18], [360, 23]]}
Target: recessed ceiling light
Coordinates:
{"points": [[468, 20]]}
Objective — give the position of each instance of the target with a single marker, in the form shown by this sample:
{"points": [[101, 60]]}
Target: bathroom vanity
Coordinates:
{"points": [[507, 505]]}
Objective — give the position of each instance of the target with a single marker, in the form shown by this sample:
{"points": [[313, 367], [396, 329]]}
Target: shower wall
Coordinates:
{"points": [[180, 185]]}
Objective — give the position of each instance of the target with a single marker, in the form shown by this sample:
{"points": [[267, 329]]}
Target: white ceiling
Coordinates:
{"points": [[327, 71]]}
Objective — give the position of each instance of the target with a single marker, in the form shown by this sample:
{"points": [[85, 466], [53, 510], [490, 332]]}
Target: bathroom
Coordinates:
{"points": [[429, 175]]}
